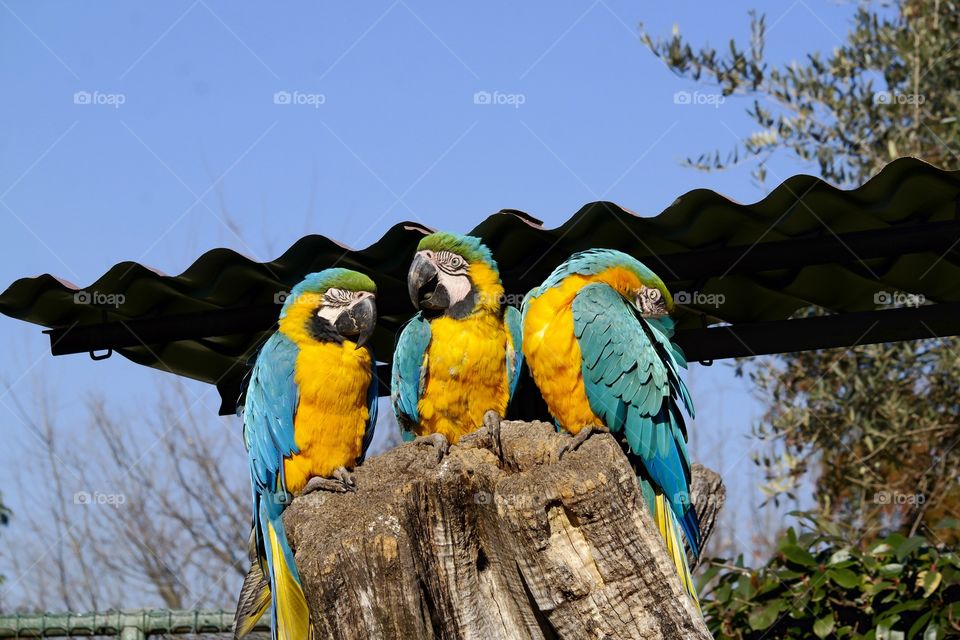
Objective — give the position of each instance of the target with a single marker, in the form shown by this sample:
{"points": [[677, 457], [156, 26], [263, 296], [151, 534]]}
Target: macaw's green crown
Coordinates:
{"points": [[594, 261], [334, 278], [470, 247]]}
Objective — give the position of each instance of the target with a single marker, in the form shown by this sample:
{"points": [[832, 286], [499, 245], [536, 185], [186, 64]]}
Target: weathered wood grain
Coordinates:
{"points": [[475, 548], [708, 495]]}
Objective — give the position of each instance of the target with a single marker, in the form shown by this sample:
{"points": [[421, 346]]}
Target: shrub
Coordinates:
{"points": [[821, 585]]}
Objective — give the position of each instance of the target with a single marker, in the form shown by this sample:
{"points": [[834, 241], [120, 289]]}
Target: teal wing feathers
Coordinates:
{"points": [[268, 412], [408, 374], [512, 322], [631, 375], [373, 392], [269, 409]]}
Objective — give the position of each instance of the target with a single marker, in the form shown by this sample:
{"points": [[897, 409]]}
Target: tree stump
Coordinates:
{"points": [[473, 547]]}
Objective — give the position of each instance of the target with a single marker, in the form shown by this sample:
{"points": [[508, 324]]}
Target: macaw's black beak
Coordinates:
{"points": [[423, 284], [359, 320]]}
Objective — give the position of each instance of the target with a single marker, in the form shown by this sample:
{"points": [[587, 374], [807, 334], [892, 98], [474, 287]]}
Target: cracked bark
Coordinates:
{"points": [[472, 548]]}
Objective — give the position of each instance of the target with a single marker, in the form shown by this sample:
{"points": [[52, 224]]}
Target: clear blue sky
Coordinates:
{"points": [[199, 155]]}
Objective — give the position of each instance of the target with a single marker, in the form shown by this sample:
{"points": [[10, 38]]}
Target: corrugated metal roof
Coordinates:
{"points": [[806, 243]]}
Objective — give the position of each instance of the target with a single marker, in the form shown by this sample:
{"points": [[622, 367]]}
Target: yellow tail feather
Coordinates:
{"points": [[670, 530], [293, 616]]}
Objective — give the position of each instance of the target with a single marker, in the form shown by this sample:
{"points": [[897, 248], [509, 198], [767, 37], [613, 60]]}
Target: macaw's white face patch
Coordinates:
{"points": [[335, 300], [453, 275], [458, 287], [453, 278], [343, 313]]}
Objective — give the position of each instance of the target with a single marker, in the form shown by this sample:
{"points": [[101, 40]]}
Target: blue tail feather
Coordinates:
{"points": [[690, 524]]}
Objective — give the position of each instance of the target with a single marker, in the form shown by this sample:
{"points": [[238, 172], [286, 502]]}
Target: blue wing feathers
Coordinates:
{"points": [[269, 411], [407, 373], [373, 393], [631, 376], [642, 393], [634, 431], [691, 529], [514, 325]]}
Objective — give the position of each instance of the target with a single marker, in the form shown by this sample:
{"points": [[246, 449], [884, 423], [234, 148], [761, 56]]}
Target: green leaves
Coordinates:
{"points": [[763, 616], [931, 581], [795, 554], [909, 546], [844, 578], [840, 556], [822, 585], [872, 428], [824, 626]]}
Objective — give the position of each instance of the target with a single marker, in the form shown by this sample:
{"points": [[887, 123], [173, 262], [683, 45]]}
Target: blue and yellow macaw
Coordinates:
{"points": [[460, 355], [308, 418], [597, 339]]}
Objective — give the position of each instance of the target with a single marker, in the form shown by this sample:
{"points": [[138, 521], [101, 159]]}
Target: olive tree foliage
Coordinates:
{"points": [[889, 90], [873, 429]]}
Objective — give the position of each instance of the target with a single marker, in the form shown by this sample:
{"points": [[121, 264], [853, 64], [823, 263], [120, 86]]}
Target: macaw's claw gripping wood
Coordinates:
{"points": [[475, 548]]}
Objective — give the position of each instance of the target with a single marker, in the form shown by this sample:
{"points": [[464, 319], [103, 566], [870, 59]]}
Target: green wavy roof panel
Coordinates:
{"points": [[770, 257]]}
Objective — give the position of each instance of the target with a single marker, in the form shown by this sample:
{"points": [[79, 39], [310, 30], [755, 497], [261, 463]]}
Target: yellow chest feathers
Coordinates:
{"points": [[553, 355], [466, 374], [332, 412]]}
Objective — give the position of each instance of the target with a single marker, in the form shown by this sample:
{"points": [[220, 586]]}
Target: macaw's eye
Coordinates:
{"points": [[450, 262], [650, 301]]}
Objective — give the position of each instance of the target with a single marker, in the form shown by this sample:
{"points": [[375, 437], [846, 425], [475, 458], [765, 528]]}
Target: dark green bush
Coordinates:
{"points": [[819, 585]]}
